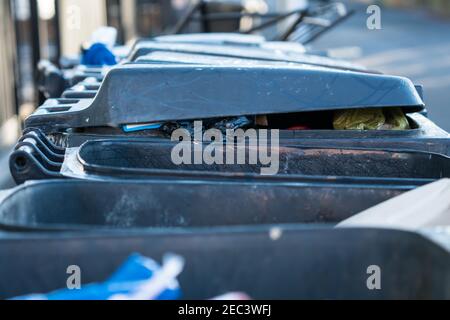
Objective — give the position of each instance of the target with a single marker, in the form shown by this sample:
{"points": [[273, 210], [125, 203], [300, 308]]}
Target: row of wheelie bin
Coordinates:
{"points": [[97, 182]]}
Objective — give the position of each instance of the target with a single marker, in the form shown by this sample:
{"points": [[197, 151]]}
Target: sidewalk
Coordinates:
{"points": [[411, 43]]}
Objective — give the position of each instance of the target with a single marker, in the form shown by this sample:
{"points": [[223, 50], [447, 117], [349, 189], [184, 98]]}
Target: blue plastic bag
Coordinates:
{"points": [[139, 278], [98, 55]]}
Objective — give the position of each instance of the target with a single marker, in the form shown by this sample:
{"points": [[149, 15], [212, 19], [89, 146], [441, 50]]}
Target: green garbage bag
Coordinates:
{"points": [[359, 119]]}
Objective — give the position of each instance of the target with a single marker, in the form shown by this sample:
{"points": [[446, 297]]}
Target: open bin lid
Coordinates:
{"points": [[265, 53], [166, 57], [136, 94], [220, 38]]}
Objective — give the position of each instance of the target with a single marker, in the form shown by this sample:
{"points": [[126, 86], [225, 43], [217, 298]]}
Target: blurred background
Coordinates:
{"points": [[414, 41]]}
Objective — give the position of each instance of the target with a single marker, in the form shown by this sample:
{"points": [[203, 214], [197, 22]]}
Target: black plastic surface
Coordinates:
{"points": [[71, 205], [133, 94], [294, 263], [144, 159]]}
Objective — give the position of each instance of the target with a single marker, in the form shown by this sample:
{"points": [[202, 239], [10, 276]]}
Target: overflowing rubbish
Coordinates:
{"points": [[220, 124], [358, 119], [139, 278]]}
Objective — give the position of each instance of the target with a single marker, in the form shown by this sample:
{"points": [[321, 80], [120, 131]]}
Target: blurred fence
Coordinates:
{"points": [[7, 58]]}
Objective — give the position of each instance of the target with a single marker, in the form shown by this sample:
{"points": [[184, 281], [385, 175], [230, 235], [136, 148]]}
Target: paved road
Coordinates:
{"points": [[411, 43]]}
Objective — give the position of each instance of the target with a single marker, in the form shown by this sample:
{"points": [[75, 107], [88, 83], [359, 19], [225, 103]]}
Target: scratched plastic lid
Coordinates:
{"points": [[133, 94]]}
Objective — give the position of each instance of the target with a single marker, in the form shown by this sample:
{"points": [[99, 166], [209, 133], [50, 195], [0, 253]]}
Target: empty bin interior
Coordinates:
{"points": [[77, 204]]}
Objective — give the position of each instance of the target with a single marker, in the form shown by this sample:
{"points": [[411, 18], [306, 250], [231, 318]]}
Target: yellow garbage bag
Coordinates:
{"points": [[359, 119], [371, 119], [395, 120]]}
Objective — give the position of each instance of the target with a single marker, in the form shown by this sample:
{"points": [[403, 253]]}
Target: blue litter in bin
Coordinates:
{"points": [[98, 55], [139, 278], [141, 127]]}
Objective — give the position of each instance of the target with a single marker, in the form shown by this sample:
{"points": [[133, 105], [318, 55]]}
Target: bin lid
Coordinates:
{"points": [[166, 57], [146, 93], [265, 53], [221, 38]]}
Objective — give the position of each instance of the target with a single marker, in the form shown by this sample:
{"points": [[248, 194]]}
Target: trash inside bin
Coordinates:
{"points": [[265, 263], [375, 119], [138, 278]]}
